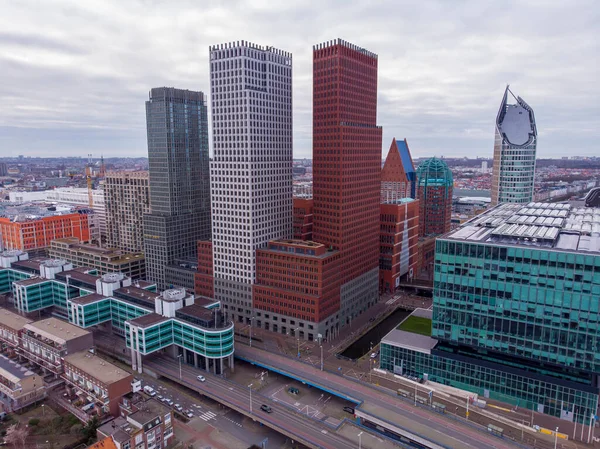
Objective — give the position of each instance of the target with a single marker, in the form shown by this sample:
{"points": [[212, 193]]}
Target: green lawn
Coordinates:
{"points": [[416, 325]]}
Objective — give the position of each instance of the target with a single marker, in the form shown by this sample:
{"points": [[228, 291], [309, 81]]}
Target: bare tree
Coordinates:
{"points": [[16, 435]]}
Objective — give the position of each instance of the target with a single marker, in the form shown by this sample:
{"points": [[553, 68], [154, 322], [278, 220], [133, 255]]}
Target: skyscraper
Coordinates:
{"points": [[434, 191], [251, 172], [177, 126], [515, 144], [398, 176], [347, 168], [127, 198]]}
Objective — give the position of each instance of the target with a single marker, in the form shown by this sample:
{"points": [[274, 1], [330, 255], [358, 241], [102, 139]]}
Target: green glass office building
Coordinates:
{"points": [[516, 313]]}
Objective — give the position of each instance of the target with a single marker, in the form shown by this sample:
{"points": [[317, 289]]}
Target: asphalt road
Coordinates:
{"points": [[282, 418], [440, 430]]}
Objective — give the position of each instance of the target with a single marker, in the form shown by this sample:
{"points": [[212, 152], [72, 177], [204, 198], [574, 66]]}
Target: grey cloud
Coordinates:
{"points": [[84, 69]]}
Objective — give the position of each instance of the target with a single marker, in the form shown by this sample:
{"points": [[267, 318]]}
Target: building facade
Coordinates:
{"points": [[399, 242], [105, 260], [177, 125], [204, 278], [434, 191], [515, 145], [303, 218], [143, 424], [516, 310], [398, 176], [347, 168], [297, 291], [19, 386], [34, 234], [86, 374], [47, 342], [127, 197], [251, 170], [80, 197]]}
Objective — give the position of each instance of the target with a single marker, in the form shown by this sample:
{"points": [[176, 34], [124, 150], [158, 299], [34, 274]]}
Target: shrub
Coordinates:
{"points": [[34, 422]]}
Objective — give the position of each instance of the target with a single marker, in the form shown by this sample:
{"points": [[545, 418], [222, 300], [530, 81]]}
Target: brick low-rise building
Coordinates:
{"points": [[35, 234], [399, 242], [19, 386], [297, 288], [143, 424], [11, 328], [47, 342], [89, 376]]}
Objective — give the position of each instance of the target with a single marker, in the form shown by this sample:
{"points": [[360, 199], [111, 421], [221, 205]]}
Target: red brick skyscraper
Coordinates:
{"points": [[347, 168]]}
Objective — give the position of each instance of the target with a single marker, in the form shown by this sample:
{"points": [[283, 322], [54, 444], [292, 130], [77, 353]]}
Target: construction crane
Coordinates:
{"points": [[88, 175]]}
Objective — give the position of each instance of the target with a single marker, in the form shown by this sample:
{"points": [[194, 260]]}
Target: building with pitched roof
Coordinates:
{"points": [[398, 176]]}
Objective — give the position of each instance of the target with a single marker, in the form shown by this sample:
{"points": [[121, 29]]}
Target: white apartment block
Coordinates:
{"points": [[251, 171]]}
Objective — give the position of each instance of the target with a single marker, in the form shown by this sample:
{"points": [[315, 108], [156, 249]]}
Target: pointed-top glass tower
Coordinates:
{"points": [[514, 152]]}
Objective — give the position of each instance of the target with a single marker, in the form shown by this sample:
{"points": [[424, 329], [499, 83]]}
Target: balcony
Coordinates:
{"points": [[99, 398], [42, 362]]}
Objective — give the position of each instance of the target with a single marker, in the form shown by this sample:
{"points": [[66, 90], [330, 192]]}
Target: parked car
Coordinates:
{"points": [[178, 407], [160, 397], [294, 390], [266, 408], [169, 402], [201, 378], [349, 409], [189, 414]]}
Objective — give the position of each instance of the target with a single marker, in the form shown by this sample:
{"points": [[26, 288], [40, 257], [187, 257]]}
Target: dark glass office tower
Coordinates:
{"points": [[177, 128]]}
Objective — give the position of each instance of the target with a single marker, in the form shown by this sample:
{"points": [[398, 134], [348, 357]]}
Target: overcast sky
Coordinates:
{"points": [[74, 74]]}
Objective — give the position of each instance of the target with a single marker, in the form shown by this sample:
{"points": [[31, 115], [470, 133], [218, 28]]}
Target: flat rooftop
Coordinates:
{"points": [[56, 330], [28, 265], [96, 367], [114, 255], [410, 340], [198, 311], [559, 226], [13, 320], [80, 275], [145, 296], [12, 370], [88, 299], [31, 281], [148, 320]]}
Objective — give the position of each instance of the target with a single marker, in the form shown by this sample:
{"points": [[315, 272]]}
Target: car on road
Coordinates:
{"points": [[349, 409], [201, 378], [266, 408], [374, 354]]}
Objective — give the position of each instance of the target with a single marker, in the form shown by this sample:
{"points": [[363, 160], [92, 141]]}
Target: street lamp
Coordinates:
{"points": [[179, 357], [321, 357], [360, 440], [43, 410], [556, 438], [250, 388]]}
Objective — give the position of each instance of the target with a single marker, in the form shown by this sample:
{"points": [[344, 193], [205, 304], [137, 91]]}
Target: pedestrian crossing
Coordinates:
{"points": [[391, 301], [206, 416], [232, 421]]}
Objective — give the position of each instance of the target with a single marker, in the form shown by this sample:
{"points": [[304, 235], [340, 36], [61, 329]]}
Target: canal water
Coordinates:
{"points": [[361, 346]]}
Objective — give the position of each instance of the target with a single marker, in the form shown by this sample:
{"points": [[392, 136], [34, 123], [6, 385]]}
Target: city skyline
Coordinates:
{"points": [[442, 110]]}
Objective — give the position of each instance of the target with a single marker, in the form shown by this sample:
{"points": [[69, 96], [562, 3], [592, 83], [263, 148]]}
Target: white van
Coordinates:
{"points": [[149, 390]]}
